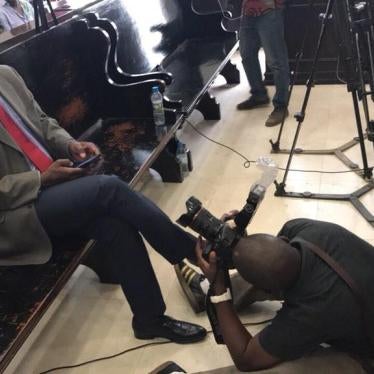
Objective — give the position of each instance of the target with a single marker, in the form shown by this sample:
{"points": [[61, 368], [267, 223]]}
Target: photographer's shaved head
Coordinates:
{"points": [[268, 262]]}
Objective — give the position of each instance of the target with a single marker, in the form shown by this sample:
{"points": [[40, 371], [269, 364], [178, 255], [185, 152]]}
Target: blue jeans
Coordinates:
{"points": [[265, 31]]}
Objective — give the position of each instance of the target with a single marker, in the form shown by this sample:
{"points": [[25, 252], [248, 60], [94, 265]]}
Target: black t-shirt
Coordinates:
{"points": [[319, 307]]}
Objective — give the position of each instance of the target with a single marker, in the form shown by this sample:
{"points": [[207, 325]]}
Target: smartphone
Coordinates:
{"points": [[87, 162]]}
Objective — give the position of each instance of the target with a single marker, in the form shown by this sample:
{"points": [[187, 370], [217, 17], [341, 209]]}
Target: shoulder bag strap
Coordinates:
{"points": [[351, 283], [334, 265]]}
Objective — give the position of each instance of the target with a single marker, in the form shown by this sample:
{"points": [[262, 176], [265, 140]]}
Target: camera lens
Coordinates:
{"points": [[207, 225], [193, 206]]}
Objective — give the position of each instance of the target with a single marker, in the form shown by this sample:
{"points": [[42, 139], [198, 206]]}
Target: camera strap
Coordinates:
{"points": [[211, 309], [354, 287]]}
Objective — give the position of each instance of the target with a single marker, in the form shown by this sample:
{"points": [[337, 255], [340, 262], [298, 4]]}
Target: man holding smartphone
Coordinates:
{"points": [[45, 196], [262, 25]]}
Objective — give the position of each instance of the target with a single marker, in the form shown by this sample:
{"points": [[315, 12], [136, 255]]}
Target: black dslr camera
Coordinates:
{"points": [[221, 236]]}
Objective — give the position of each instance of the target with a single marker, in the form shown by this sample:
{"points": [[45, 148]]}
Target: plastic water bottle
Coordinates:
{"points": [[269, 174], [158, 110], [269, 171]]}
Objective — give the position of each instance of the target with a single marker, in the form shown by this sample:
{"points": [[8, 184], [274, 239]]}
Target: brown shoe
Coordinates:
{"points": [[276, 117]]}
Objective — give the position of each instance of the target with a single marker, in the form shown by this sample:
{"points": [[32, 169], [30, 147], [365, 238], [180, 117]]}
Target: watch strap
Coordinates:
{"points": [[221, 298]]}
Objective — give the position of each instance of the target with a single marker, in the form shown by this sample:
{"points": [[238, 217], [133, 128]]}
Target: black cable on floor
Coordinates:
{"points": [[248, 162], [104, 358]]}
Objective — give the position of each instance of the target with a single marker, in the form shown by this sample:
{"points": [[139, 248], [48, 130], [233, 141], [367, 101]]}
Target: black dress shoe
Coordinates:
{"points": [[167, 368], [177, 331], [253, 102]]}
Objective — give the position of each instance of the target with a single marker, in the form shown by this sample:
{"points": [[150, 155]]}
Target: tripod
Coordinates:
{"points": [[338, 151], [360, 32]]}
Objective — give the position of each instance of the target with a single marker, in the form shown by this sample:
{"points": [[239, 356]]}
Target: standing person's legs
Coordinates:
{"points": [[271, 33], [249, 48]]}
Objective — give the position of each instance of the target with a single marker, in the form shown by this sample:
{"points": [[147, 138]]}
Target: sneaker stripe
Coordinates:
{"points": [[190, 277]]}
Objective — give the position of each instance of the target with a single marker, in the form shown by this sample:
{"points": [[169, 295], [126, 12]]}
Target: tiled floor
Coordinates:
{"points": [[93, 320]]}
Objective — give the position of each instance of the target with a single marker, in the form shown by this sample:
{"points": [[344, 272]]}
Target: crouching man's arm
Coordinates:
{"points": [[245, 350]]}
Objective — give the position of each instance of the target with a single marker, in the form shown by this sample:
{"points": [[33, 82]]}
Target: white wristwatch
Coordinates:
{"points": [[221, 298]]}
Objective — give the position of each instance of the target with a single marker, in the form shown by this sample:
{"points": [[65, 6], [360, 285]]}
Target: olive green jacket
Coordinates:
{"points": [[22, 238]]}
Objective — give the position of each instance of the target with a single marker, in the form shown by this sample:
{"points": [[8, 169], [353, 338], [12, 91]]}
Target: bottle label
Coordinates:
{"points": [[158, 107]]}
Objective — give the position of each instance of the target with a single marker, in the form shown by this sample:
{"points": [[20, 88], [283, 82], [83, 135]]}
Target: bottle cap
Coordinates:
{"points": [[155, 89]]}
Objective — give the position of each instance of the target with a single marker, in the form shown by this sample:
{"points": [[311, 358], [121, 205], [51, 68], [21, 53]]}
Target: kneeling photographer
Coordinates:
{"points": [[321, 271], [319, 307]]}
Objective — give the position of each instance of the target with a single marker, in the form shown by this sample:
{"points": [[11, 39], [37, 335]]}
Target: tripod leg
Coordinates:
{"points": [[300, 116], [361, 77], [275, 145], [371, 59], [369, 43], [367, 171], [371, 46], [52, 12], [36, 15], [42, 15]]}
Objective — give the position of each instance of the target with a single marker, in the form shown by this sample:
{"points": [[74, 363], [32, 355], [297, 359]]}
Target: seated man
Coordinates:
{"points": [[15, 13], [45, 198], [319, 307]]}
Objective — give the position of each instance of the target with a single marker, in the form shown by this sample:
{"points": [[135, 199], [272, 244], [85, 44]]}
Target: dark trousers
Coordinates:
{"points": [[104, 208]]}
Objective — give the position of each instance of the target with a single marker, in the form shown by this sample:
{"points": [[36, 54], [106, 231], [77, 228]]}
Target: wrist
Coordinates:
{"points": [[219, 288], [221, 297], [43, 180], [70, 145], [72, 142]]}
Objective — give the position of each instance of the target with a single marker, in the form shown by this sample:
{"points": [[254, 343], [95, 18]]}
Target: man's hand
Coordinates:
{"points": [[81, 150], [60, 171], [246, 352], [210, 269], [230, 215]]}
